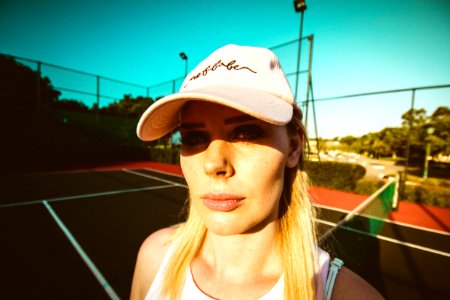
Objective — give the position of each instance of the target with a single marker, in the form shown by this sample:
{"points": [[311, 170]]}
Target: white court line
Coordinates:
{"points": [[98, 275], [381, 237], [163, 172], [87, 196], [154, 177], [386, 220]]}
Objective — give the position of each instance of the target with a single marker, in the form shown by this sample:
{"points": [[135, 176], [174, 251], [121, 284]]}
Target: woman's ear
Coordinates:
{"points": [[296, 145]]}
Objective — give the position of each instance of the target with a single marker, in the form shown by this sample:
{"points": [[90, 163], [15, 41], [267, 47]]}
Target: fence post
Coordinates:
{"points": [[38, 87], [400, 189], [408, 143], [97, 111], [308, 86], [299, 51]]}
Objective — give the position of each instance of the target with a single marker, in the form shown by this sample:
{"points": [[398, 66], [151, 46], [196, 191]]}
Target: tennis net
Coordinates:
{"points": [[370, 215]]}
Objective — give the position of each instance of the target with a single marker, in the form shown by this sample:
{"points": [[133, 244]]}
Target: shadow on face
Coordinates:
{"points": [[203, 123]]}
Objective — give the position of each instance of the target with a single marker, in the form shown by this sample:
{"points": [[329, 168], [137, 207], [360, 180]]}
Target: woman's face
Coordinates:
{"points": [[234, 166]]}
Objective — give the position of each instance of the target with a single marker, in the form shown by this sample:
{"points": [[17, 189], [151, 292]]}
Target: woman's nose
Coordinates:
{"points": [[217, 161]]}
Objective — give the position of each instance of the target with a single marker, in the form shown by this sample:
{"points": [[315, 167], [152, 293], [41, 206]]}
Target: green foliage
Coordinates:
{"points": [[70, 105], [128, 106], [367, 186], [349, 140], [414, 118], [19, 86], [340, 176], [442, 182], [388, 142], [429, 195], [393, 141], [421, 193], [166, 154], [440, 139]]}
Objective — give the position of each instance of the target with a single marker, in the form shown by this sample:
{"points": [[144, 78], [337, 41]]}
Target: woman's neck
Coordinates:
{"points": [[240, 257]]}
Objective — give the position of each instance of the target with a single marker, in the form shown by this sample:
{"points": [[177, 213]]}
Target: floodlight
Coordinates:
{"points": [[299, 5]]}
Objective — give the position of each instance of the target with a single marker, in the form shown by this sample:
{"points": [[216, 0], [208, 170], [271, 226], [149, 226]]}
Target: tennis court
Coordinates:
{"points": [[75, 235]]}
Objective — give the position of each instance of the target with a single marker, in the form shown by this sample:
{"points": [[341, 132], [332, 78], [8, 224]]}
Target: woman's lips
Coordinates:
{"points": [[221, 202]]}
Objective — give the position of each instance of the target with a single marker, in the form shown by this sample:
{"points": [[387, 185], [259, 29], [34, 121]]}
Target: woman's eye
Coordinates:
{"points": [[247, 133], [194, 138]]}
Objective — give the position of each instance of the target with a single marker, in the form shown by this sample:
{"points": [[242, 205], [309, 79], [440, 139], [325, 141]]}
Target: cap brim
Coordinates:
{"points": [[163, 116]]}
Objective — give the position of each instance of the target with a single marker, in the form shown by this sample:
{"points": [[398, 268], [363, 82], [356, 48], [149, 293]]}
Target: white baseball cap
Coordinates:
{"points": [[248, 79]]}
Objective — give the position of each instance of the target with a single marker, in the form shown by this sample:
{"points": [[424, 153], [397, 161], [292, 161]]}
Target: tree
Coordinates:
{"points": [[414, 118], [395, 139], [349, 140], [128, 106], [19, 87], [440, 139], [70, 104]]}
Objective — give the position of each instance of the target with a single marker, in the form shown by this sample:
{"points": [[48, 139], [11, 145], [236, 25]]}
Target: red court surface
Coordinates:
{"points": [[431, 217]]}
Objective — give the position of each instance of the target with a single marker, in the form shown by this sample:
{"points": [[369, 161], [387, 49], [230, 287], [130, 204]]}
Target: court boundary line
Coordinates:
{"points": [[87, 260], [154, 177], [387, 239], [82, 196], [386, 220]]}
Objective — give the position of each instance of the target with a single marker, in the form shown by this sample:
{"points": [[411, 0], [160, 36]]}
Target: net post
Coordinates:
{"points": [[399, 184], [357, 210]]}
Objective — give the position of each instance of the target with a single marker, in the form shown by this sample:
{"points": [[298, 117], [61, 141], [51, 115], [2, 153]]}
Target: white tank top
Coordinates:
{"points": [[191, 291]]}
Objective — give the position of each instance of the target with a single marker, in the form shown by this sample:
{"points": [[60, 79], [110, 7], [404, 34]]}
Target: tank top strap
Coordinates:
{"points": [[335, 266], [154, 293]]}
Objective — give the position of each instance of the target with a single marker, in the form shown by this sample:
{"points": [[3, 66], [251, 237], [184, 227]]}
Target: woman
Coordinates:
{"points": [[250, 231]]}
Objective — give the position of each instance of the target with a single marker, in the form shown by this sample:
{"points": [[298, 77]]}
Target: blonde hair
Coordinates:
{"points": [[296, 226]]}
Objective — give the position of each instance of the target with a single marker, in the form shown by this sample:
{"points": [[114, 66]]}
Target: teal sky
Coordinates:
{"points": [[359, 46]]}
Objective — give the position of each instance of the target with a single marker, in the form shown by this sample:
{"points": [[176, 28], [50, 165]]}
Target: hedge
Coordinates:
{"points": [[420, 193], [335, 175], [367, 186], [170, 155], [430, 195]]}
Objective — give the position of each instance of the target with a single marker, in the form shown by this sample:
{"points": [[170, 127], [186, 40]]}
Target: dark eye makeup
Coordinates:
{"points": [[247, 133], [193, 138], [241, 133]]}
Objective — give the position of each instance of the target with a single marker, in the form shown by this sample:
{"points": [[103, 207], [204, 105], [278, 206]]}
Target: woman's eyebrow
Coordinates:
{"points": [[227, 121], [187, 126], [238, 119]]}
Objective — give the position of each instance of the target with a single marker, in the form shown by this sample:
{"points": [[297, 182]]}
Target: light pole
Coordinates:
{"points": [[184, 57], [299, 6], [430, 131]]}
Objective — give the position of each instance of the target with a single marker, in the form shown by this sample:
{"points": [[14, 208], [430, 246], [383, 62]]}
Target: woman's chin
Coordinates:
{"points": [[225, 226]]}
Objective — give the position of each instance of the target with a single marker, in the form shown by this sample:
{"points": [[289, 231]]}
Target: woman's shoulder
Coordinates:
{"points": [[149, 258], [350, 286], [158, 240]]}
